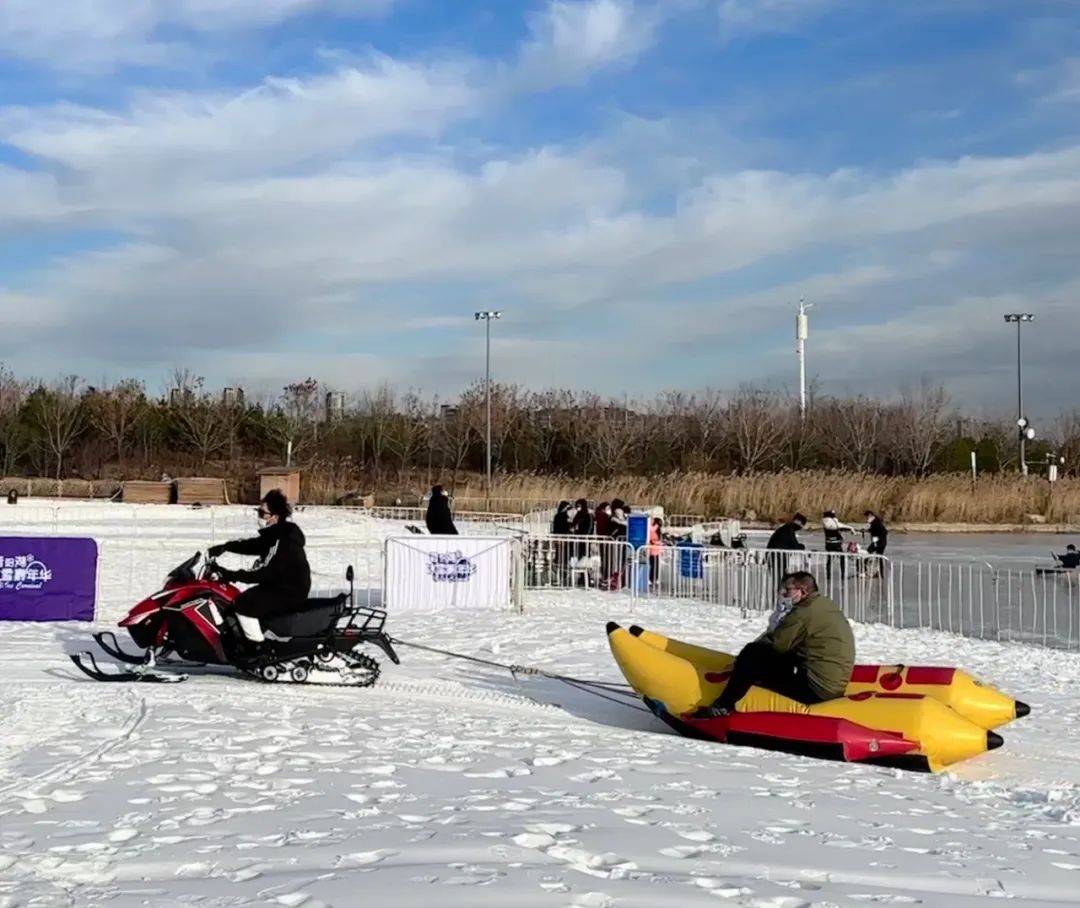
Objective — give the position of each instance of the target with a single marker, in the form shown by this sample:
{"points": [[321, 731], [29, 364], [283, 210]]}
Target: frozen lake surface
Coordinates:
{"points": [[1017, 550]]}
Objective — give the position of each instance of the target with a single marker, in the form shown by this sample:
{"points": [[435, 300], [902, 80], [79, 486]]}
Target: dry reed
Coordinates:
{"points": [[771, 497]]}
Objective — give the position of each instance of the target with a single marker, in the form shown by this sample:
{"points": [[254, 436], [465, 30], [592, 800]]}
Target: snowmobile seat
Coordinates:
{"points": [[314, 618]]}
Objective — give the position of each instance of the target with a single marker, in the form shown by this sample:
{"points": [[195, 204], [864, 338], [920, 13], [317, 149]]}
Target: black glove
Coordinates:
{"points": [[224, 574], [215, 550]]}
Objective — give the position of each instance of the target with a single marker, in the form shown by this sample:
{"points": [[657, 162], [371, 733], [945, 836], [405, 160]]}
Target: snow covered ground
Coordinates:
{"points": [[454, 784]]}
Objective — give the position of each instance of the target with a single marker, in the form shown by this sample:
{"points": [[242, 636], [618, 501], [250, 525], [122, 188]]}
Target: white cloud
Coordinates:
{"points": [[571, 39], [748, 17], [99, 34], [272, 223], [29, 198], [180, 135]]}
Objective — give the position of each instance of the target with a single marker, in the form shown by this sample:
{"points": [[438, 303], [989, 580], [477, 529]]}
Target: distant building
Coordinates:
{"points": [[232, 397], [335, 405]]}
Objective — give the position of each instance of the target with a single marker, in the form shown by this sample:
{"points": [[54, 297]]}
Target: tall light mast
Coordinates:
{"points": [[802, 331]]}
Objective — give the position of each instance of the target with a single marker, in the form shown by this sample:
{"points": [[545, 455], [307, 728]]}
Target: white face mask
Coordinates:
{"points": [[784, 601]]}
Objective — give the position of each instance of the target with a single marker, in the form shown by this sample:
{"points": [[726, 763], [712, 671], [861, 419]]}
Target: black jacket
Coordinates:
{"points": [[560, 526], [582, 524], [1070, 559], [438, 519], [281, 563], [879, 532], [784, 538]]}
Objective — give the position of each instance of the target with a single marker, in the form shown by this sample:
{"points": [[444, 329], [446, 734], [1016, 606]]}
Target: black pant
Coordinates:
{"points": [[835, 548], [260, 602], [758, 664], [778, 564]]}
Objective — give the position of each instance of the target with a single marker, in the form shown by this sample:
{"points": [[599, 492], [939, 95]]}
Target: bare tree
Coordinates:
{"points": [[756, 427], [455, 435], [1067, 438], [610, 441], [851, 429], [378, 415], [13, 436], [59, 414], [201, 420], [919, 428], [411, 432], [295, 422], [114, 413]]}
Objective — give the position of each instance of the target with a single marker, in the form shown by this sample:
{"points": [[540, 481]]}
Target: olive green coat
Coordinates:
{"points": [[818, 635]]}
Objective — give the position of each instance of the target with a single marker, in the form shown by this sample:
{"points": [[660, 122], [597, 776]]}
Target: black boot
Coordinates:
{"points": [[237, 646]]}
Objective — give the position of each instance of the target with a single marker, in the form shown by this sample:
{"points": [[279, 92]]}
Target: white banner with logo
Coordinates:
{"points": [[436, 573]]}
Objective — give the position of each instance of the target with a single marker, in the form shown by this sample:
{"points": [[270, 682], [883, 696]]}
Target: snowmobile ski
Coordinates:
{"points": [[108, 642], [87, 664]]}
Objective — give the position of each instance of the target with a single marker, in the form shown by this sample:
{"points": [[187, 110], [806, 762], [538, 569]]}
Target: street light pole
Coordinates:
{"points": [[1024, 431], [487, 318]]}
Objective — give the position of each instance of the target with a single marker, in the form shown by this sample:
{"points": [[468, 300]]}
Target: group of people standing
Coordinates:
{"points": [[610, 520], [785, 539]]}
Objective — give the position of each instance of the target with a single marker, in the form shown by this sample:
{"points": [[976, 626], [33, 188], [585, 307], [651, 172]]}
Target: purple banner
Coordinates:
{"points": [[47, 578]]}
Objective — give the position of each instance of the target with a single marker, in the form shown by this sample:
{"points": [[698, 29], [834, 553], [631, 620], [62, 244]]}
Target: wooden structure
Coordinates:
{"points": [[139, 491], [285, 478], [197, 490]]}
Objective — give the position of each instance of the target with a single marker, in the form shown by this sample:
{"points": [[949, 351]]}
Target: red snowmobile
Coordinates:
{"points": [[189, 623]]}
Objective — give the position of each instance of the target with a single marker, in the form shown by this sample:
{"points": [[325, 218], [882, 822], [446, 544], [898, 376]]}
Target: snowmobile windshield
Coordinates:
{"points": [[184, 573]]}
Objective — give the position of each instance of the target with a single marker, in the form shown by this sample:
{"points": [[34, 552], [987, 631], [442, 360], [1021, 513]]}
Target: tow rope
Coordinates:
{"points": [[602, 689]]}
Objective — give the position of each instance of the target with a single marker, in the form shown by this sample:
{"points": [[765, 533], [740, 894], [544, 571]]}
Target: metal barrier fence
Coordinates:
{"points": [[749, 578], [139, 544], [973, 600], [570, 562], [979, 600]]}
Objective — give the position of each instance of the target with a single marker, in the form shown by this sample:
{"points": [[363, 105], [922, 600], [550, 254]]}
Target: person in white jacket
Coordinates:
{"points": [[834, 541]]}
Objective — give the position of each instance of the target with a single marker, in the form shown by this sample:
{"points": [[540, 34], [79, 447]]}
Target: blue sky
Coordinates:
{"points": [[262, 190]]}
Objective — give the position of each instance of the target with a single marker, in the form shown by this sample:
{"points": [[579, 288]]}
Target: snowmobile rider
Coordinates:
{"points": [[806, 654], [1071, 558], [281, 571]]}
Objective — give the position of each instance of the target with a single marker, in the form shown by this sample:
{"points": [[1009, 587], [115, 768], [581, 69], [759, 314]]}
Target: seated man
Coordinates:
{"points": [[281, 570], [806, 654], [1071, 558]]}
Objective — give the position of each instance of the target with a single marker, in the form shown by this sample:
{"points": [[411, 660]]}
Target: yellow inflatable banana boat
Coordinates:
{"points": [[914, 717]]}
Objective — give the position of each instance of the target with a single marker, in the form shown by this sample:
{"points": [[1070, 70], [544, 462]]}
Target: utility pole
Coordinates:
{"points": [[1024, 431], [802, 331], [487, 317]]}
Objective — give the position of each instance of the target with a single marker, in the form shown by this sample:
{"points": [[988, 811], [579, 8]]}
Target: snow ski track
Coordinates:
{"points": [[70, 769], [448, 692]]}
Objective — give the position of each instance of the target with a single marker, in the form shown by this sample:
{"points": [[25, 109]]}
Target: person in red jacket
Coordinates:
{"points": [[656, 549]]}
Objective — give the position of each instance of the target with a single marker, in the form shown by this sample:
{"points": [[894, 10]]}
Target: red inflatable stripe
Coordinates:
{"points": [[858, 741], [930, 675], [865, 674]]}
